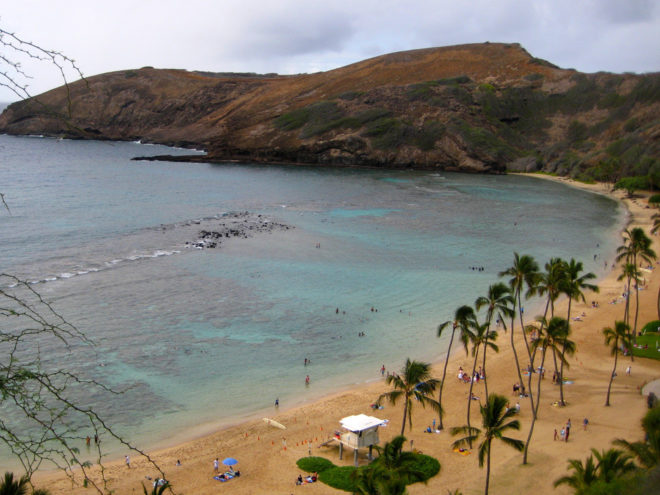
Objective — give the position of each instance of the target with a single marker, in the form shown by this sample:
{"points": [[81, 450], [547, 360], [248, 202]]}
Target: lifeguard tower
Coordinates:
{"points": [[361, 431]]}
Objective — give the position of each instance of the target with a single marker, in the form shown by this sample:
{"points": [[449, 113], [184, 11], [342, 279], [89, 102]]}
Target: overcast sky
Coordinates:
{"points": [[294, 36]]}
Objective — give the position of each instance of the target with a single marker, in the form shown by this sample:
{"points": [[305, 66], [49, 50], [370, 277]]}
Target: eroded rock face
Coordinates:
{"points": [[477, 108]]}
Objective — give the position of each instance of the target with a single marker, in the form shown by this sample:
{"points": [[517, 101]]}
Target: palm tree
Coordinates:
{"points": [[523, 272], [584, 475], [371, 480], [464, 318], [610, 465], [636, 245], [498, 300], [10, 486], [648, 451], [630, 273], [615, 337], [573, 285], [415, 383], [496, 420], [157, 490], [479, 337], [550, 283], [551, 338], [390, 472]]}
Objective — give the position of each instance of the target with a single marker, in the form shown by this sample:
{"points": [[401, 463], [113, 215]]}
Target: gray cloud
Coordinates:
{"points": [[292, 36]]}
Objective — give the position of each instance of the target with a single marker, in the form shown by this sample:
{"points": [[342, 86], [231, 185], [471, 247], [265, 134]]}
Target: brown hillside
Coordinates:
{"points": [[480, 107]]}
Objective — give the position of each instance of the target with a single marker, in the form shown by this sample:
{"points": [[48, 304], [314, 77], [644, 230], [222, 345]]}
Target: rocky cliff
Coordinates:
{"points": [[483, 107]]}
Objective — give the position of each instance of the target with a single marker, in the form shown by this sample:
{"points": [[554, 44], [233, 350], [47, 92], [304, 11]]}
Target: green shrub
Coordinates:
{"points": [[651, 326], [421, 91], [577, 131], [292, 120], [342, 477], [655, 201], [351, 95], [533, 77], [426, 137], [380, 126], [371, 115], [339, 477], [427, 465], [649, 340], [314, 464], [450, 81], [317, 116], [485, 141], [632, 184]]}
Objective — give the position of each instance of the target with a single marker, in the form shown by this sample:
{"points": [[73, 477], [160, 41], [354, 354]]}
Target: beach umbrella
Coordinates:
{"points": [[230, 461]]}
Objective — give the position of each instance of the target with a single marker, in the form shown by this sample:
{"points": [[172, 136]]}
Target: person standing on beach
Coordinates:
{"points": [[216, 465], [568, 429], [128, 462]]}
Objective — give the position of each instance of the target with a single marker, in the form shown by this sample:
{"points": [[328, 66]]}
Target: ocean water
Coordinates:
{"points": [[210, 336]]}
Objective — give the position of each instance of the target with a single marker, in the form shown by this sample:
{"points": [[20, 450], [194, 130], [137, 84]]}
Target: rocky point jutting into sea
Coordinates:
{"points": [[488, 107]]}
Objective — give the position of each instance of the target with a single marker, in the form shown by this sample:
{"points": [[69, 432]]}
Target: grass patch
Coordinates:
{"points": [[314, 464], [648, 340], [342, 477], [339, 477]]}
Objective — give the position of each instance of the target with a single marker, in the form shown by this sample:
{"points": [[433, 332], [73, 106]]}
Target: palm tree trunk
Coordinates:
{"points": [[609, 387], [483, 365], [513, 347], [444, 375], [626, 317], [535, 412], [474, 367], [405, 414], [488, 467], [634, 333], [561, 363], [554, 358], [658, 303], [522, 326]]}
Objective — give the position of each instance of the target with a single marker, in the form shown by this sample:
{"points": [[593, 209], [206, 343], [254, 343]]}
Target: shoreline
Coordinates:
{"points": [[267, 464]]}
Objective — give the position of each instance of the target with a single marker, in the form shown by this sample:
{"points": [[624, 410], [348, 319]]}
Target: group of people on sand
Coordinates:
{"points": [[519, 390], [465, 378], [227, 475], [307, 479], [565, 432]]}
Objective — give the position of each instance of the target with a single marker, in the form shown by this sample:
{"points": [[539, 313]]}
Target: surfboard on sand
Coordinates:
{"points": [[274, 423]]}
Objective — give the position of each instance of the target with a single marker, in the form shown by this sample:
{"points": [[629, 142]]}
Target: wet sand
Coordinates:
{"points": [[268, 467]]}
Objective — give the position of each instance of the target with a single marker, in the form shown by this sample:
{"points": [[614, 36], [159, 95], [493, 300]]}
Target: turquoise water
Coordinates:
{"points": [[213, 335]]}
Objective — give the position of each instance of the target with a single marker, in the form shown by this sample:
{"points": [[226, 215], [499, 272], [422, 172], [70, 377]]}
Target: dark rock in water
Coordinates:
{"points": [[243, 225]]}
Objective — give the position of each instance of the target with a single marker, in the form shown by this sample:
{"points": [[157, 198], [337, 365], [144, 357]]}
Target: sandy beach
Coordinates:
{"points": [[267, 455]]}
